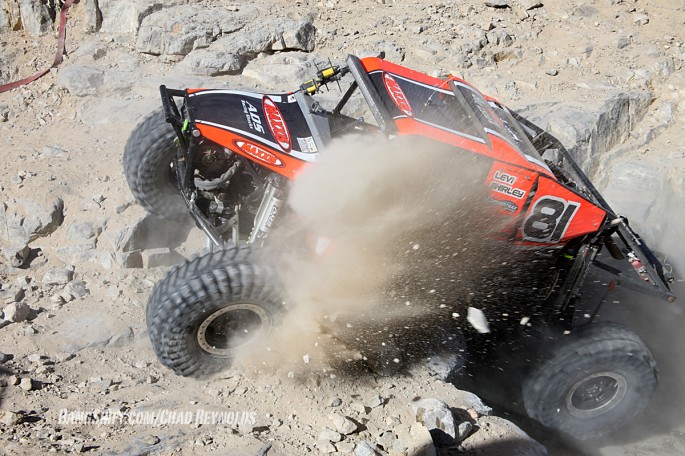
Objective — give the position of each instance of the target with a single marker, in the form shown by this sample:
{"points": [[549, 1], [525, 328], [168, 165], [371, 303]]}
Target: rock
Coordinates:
{"points": [[9, 418], [330, 435], [4, 357], [152, 440], [16, 312], [26, 384], [35, 17], [335, 402], [364, 448], [36, 357], [125, 16], [175, 32], [552, 72], [58, 276], [622, 42], [438, 419], [464, 430], [417, 440], [325, 447], [282, 71], [307, 358], [497, 3], [23, 220], [81, 80], [83, 231], [375, 401], [160, 257], [213, 62], [77, 289], [92, 16], [530, 4], [389, 441], [343, 424], [499, 37], [15, 255], [640, 19], [13, 294]]}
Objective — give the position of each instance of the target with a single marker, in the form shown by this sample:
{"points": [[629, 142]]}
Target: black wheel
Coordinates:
{"points": [[209, 308], [148, 157], [591, 382]]}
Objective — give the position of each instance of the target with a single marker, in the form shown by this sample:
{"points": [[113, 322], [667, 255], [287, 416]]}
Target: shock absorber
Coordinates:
{"points": [[268, 209]]}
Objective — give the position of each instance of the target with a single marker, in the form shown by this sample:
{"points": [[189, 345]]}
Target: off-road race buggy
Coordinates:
{"points": [[228, 158]]}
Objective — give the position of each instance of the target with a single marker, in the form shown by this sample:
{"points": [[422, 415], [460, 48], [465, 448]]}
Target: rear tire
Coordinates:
{"points": [[591, 382], [208, 308], [148, 155]]}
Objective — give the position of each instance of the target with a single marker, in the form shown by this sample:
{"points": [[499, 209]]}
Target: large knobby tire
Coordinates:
{"points": [[206, 310], [148, 155], [591, 382]]}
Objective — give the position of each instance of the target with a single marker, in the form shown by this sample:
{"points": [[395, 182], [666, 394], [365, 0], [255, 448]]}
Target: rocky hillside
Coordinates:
{"points": [[79, 258]]}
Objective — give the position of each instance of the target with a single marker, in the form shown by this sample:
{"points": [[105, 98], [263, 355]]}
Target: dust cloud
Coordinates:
{"points": [[402, 227]]}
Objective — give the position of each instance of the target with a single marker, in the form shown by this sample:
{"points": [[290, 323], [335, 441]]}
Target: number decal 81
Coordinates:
{"points": [[548, 220]]}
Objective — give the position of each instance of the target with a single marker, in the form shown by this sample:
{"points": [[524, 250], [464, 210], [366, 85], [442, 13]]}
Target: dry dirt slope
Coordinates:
{"points": [[64, 136]]}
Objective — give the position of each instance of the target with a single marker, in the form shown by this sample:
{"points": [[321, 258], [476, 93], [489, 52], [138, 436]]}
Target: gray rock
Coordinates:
{"points": [[282, 71], [417, 440], [364, 448], [552, 72], [58, 276], [330, 435], [35, 17], [129, 259], [83, 231], [438, 419], [3, 357], [77, 253], [530, 4], [12, 294], [81, 80], [325, 447], [175, 32], [15, 255], [23, 220], [499, 37], [213, 62], [26, 384], [125, 16], [9, 418], [640, 19], [622, 42], [463, 431], [497, 3], [92, 16], [52, 152], [161, 257], [77, 289], [343, 424], [16, 312]]}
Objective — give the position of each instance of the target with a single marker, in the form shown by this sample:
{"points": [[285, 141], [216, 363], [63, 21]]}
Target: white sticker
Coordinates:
{"points": [[307, 144]]}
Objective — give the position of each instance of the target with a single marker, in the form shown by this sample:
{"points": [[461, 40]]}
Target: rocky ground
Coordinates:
{"points": [[79, 258]]}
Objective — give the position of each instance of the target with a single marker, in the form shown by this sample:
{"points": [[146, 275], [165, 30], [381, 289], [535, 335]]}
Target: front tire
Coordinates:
{"points": [[208, 309], [148, 155], [591, 382]]}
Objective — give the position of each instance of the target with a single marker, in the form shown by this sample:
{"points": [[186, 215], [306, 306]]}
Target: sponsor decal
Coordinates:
{"points": [[307, 145], [507, 190], [252, 117], [397, 95], [506, 205], [258, 153], [504, 177], [277, 125]]}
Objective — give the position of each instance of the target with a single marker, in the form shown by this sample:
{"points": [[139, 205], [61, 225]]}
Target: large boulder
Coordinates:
{"points": [[126, 16], [174, 32], [36, 17], [24, 220]]}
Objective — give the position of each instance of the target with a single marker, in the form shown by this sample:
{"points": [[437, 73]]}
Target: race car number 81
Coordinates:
{"points": [[549, 219]]}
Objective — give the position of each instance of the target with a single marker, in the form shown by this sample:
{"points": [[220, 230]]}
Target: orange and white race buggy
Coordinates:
{"points": [[228, 157]]}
